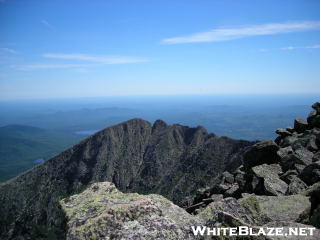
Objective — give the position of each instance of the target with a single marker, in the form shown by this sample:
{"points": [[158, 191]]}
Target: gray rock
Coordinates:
{"points": [[316, 106], [303, 156], [288, 176], [290, 129], [269, 174], [288, 141], [283, 132], [313, 191], [299, 167], [300, 125], [296, 186], [261, 152], [103, 212], [316, 157], [297, 160], [311, 117], [240, 179], [307, 141], [227, 177], [217, 212], [311, 173], [233, 191], [282, 152], [293, 208]]}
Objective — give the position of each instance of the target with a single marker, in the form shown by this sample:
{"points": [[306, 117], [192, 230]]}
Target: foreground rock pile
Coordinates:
{"points": [[278, 181]]}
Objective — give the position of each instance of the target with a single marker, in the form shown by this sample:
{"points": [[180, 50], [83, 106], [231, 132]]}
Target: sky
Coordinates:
{"points": [[82, 48]]}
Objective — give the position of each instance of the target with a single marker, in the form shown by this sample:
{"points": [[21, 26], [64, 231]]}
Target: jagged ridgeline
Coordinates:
{"points": [[171, 160]]}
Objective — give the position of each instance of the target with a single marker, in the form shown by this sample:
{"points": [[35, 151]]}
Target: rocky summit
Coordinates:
{"points": [[136, 180], [171, 160]]}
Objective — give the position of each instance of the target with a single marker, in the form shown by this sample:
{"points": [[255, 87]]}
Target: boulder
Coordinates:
{"points": [[282, 152], [316, 121], [311, 173], [103, 212], [290, 129], [261, 152], [316, 157], [269, 176], [233, 191], [296, 186], [227, 211], [201, 193], [293, 208], [283, 132], [227, 177], [301, 157], [311, 117], [316, 106], [315, 217], [307, 141], [312, 144], [288, 176], [300, 125], [314, 193], [288, 141], [239, 178]]}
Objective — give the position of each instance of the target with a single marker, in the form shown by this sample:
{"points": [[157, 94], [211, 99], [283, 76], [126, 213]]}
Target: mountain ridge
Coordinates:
{"points": [[171, 160]]}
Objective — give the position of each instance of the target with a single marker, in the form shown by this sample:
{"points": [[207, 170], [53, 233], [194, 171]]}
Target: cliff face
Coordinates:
{"points": [[136, 156]]}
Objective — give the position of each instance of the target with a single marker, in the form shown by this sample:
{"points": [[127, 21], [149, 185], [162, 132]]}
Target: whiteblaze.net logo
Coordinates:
{"points": [[256, 231]]}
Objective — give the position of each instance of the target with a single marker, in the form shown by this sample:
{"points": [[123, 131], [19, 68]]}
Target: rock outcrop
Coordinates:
{"points": [[278, 181], [171, 160], [103, 212]]}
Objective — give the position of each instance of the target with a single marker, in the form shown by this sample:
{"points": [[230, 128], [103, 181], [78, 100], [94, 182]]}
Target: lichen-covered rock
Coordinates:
{"points": [[293, 208], [296, 186], [272, 184], [103, 212], [227, 211]]}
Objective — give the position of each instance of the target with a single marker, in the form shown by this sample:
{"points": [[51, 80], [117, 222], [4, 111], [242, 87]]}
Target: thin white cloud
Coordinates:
{"points": [[48, 66], [96, 59], [45, 22], [8, 50], [289, 48], [306, 47], [224, 34], [314, 46]]}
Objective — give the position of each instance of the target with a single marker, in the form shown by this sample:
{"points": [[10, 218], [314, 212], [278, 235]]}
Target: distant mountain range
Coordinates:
{"points": [[21, 146]]}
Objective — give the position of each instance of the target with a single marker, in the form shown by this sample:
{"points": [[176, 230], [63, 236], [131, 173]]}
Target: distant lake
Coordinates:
{"points": [[86, 132], [39, 160]]}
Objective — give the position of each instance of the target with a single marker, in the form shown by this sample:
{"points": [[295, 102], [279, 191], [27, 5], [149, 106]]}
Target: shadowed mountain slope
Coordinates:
{"points": [[171, 160]]}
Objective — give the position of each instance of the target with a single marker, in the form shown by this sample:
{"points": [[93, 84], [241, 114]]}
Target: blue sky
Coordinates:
{"points": [[59, 49]]}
